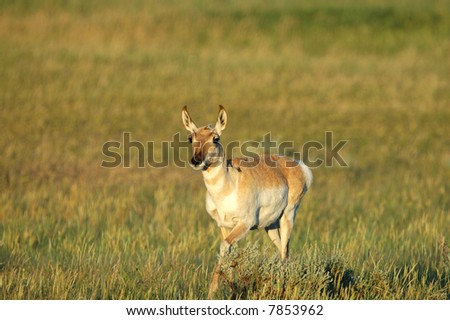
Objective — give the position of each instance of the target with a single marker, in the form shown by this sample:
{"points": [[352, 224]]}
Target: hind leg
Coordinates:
{"points": [[286, 225], [274, 235], [285, 234]]}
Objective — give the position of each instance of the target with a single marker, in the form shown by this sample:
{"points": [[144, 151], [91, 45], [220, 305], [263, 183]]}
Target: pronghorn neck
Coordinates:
{"points": [[216, 177]]}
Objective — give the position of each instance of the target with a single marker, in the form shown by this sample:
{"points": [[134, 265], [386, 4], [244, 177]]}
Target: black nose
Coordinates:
{"points": [[195, 161]]}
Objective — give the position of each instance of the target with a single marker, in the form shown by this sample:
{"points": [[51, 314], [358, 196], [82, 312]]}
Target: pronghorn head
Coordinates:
{"points": [[205, 141]]}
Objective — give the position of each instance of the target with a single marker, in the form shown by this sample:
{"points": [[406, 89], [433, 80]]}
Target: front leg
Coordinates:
{"points": [[216, 274], [230, 237], [238, 232]]}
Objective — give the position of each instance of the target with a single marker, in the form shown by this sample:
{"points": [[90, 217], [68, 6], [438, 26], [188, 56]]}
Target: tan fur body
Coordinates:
{"points": [[255, 193]]}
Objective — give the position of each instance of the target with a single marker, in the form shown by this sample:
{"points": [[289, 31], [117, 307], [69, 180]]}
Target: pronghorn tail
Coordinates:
{"points": [[308, 174]]}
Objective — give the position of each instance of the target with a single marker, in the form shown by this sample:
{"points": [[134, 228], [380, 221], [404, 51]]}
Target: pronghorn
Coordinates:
{"points": [[241, 194]]}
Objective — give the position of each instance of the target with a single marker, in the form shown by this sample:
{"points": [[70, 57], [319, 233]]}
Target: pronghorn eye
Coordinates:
{"points": [[216, 139], [190, 138]]}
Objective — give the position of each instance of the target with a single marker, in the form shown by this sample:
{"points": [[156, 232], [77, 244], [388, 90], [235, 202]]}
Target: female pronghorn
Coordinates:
{"points": [[242, 194]]}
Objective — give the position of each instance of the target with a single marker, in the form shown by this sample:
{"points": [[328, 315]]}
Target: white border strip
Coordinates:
{"points": [[168, 309]]}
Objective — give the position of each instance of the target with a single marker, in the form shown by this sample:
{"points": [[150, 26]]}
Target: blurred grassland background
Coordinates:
{"points": [[75, 74]]}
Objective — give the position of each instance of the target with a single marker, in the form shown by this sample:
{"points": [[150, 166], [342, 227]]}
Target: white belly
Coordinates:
{"points": [[259, 209], [271, 205]]}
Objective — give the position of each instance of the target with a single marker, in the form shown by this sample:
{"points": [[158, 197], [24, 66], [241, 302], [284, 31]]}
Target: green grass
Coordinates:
{"points": [[74, 75]]}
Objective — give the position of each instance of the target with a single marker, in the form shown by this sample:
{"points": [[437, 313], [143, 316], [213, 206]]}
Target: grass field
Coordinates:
{"points": [[75, 74]]}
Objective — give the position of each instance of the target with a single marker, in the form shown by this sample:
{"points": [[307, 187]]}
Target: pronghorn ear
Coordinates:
{"points": [[187, 121], [221, 120]]}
